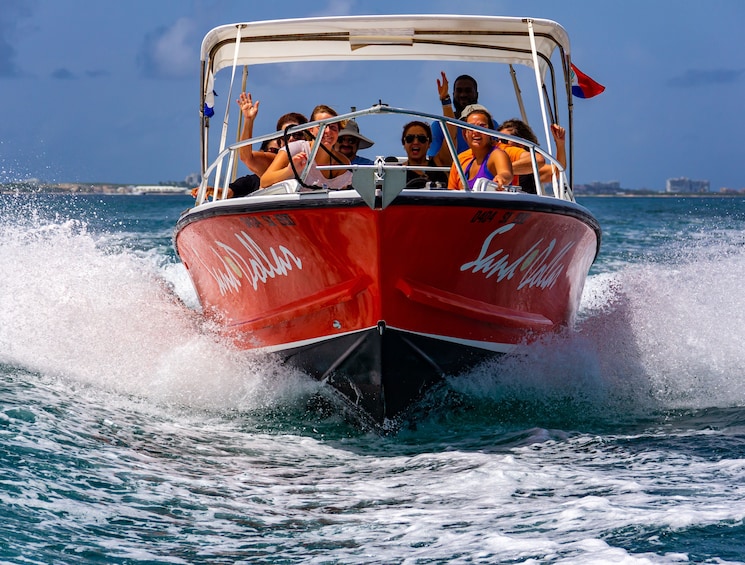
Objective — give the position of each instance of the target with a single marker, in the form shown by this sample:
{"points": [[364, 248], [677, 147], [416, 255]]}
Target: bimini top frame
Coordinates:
{"points": [[506, 40]]}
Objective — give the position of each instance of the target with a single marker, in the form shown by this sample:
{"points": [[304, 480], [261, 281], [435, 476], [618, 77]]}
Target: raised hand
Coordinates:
{"points": [[248, 106], [558, 132], [443, 87]]}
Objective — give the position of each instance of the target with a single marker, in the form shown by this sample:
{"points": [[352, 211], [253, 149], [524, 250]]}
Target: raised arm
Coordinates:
{"points": [[443, 158], [257, 161], [559, 135]]}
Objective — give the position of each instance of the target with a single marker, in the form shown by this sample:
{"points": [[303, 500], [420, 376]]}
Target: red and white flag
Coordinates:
{"points": [[583, 86]]}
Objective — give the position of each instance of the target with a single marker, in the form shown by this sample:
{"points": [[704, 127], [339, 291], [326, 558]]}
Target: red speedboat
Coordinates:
{"points": [[380, 290]]}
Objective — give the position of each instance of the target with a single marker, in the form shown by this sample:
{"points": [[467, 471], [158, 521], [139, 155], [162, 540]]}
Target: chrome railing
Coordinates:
{"points": [[218, 176]]}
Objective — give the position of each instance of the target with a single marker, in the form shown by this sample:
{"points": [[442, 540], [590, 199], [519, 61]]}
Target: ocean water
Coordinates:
{"points": [[129, 433]]}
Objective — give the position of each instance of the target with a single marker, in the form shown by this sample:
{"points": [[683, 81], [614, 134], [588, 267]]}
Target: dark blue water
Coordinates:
{"points": [[129, 433]]}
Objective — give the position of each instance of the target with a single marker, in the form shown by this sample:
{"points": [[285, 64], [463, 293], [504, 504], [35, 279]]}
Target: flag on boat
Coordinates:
{"points": [[583, 86], [209, 97]]}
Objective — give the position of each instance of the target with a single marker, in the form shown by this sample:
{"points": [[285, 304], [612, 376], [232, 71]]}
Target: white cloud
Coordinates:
{"points": [[170, 52]]}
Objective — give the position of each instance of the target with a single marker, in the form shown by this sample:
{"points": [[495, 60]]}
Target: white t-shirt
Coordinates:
{"points": [[315, 176]]}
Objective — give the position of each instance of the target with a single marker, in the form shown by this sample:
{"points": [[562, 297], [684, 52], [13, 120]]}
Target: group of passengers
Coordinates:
{"points": [[480, 155]]}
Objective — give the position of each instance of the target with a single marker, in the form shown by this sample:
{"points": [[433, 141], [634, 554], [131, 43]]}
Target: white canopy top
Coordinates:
{"points": [[421, 37], [390, 37]]}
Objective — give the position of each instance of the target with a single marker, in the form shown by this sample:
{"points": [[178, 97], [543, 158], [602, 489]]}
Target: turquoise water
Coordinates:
{"points": [[129, 433]]}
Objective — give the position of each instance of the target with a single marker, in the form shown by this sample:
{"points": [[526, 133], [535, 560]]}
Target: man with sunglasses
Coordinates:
{"points": [[350, 141]]}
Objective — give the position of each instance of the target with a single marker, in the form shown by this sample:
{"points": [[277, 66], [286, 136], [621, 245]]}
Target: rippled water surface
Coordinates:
{"points": [[129, 433]]}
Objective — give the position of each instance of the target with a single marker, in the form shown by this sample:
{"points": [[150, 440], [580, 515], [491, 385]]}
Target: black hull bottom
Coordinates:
{"points": [[382, 372]]}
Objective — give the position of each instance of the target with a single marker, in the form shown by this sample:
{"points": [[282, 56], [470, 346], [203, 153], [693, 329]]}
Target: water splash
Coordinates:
{"points": [[686, 324], [74, 307], [655, 335]]}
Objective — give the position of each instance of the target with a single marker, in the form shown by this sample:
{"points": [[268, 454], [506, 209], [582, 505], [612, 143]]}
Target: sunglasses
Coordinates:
{"points": [[420, 138], [296, 135], [273, 149]]}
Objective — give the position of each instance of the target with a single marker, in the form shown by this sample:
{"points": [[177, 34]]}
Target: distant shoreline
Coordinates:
{"points": [[61, 193], [75, 194], [92, 188], [663, 195]]}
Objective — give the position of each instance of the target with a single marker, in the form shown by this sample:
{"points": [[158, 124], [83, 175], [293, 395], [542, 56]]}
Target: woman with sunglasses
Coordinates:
{"points": [[483, 159], [335, 179], [259, 161], [416, 139]]}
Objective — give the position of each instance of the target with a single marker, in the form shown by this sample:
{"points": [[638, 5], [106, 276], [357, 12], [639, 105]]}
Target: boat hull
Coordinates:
{"points": [[381, 303], [381, 371]]}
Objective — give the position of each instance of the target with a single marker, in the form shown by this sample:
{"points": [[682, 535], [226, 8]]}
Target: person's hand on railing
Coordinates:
{"points": [[210, 192]]}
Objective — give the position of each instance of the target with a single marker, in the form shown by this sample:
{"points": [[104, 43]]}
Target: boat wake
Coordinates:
{"points": [[650, 337], [684, 323], [78, 309]]}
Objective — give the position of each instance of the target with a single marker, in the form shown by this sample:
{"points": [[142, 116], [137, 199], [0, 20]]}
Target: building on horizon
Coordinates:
{"points": [[686, 185], [156, 189], [193, 179]]}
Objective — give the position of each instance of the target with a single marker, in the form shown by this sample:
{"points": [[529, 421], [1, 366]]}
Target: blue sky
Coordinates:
{"points": [[100, 91]]}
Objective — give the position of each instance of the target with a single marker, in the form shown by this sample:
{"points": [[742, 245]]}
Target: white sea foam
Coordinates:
{"points": [[72, 308], [678, 327], [666, 334], [649, 336]]}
